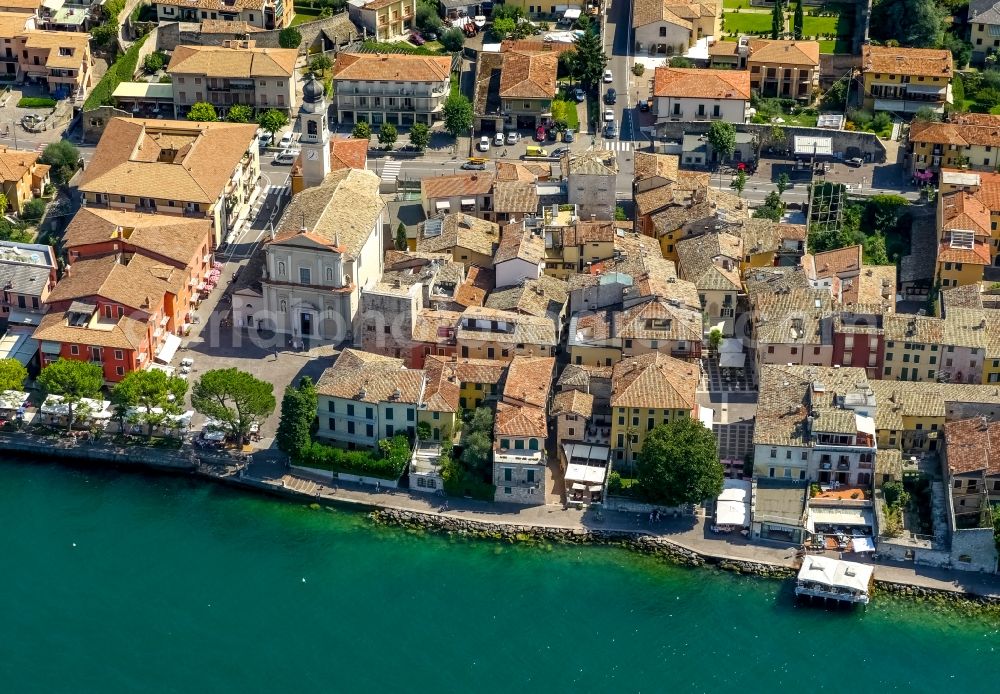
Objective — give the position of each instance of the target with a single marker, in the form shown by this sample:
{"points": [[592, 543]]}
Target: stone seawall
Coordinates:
{"points": [[38, 447], [635, 541]]}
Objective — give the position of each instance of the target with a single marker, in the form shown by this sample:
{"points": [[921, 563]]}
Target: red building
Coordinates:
{"points": [[858, 340]]}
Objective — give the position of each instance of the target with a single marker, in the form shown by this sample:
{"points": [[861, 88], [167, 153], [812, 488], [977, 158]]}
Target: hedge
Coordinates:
{"points": [[120, 71], [389, 466], [36, 102]]}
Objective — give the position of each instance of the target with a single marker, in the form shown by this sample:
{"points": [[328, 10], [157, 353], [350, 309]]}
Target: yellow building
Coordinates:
{"points": [[784, 69], [478, 380], [964, 239], [60, 60], [486, 333], [648, 390], [905, 80], [767, 243], [984, 29], [965, 141], [571, 249], [469, 240], [386, 19], [22, 176], [985, 186]]}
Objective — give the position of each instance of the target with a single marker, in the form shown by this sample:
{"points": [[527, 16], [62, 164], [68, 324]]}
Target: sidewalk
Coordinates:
{"points": [[686, 533]]}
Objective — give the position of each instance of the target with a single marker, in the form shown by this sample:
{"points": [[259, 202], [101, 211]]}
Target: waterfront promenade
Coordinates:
{"points": [[687, 533]]}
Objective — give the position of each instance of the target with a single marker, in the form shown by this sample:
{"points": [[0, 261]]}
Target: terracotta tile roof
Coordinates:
{"points": [[926, 62], [464, 231], [972, 445], [465, 370], [875, 286], [654, 381], [701, 83], [521, 329], [598, 162], [14, 164], [787, 397], [391, 67], [434, 326], [223, 61], [965, 296], [378, 4], [965, 211], [179, 160], [528, 75], [513, 420], [371, 378], [515, 197], [792, 317], [169, 236], [956, 134], [545, 296], [529, 381], [573, 402], [979, 254], [669, 11], [581, 375], [478, 283], [648, 165], [766, 236], [345, 153], [141, 284], [784, 52], [588, 232], [711, 261], [226, 26], [911, 328], [659, 320], [723, 49], [773, 280], [516, 171], [535, 46], [127, 332], [221, 5], [77, 41], [837, 262], [340, 212], [472, 184], [441, 392], [521, 243]]}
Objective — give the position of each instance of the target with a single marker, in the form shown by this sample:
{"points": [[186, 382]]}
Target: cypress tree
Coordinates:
{"points": [[777, 20], [797, 21]]}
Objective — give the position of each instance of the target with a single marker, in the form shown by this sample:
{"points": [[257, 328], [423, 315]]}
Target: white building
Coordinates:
{"points": [[690, 94], [669, 28]]}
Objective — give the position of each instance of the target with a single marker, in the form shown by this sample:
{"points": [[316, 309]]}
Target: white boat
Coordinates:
{"points": [[479, 21]]}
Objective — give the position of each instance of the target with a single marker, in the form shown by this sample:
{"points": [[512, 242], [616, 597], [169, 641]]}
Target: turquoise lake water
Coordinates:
{"points": [[115, 582]]}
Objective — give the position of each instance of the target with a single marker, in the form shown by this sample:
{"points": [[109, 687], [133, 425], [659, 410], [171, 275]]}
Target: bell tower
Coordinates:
{"points": [[315, 139]]}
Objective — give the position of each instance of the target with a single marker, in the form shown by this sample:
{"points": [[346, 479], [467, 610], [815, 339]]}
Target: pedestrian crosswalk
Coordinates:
{"points": [[618, 145], [390, 170]]}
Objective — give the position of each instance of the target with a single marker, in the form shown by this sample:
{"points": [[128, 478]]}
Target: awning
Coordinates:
{"points": [[925, 89], [731, 344], [862, 544], [595, 488], [469, 202], [732, 360], [442, 205], [809, 146], [585, 473], [53, 4], [19, 346], [579, 487], [169, 349], [572, 13], [24, 318], [51, 347], [838, 515]]}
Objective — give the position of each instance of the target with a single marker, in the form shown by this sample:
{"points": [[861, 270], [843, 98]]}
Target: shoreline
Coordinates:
{"points": [[381, 511]]}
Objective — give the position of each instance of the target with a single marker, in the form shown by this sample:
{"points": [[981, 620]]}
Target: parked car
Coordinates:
{"points": [[644, 106], [498, 139], [558, 152], [430, 36], [610, 96], [607, 76], [552, 134], [286, 140], [540, 133], [579, 95], [513, 137], [484, 143], [610, 131], [416, 39], [286, 156], [609, 115], [568, 136], [474, 166], [855, 161]]}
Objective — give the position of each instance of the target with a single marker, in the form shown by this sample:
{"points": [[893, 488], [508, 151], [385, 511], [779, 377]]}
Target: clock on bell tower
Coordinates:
{"points": [[315, 139]]}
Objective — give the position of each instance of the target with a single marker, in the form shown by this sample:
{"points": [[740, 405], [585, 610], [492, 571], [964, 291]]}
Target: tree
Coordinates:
{"points": [[777, 20], [453, 39], [104, 35], [387, 135], [64, 158], [874, 250], [783, 184], [457, 114], [797, 21], [913, 23], [590, 59], [298, 412], [926, 113], [239, 113], [680, 61], [320, 63], [272, 120], [420, 136], [234, 398], [12, 374], [400, 242], [73, 380], [33, 211], [835, 98], [503, 27], [679, 464], [773, 208], [149, 390], [620, 215], [722, 137], [714, 339], [289, 37], [362, 131], [203, 112], [427, 18], [739, 182], [153, 62], [961, 50], [477, 441]]}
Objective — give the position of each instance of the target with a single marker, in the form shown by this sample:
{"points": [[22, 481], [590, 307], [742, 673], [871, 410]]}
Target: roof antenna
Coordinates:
{"points": [[302, 229]]}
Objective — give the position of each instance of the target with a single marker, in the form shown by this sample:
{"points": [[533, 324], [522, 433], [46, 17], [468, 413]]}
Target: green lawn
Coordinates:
{"points": [[736, 4], [818, 26], [842, 45], [305, 14], [746, 22], [565, 109]]}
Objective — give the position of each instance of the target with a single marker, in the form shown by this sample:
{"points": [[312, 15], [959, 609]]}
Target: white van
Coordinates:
{"points": [[286, 156]]}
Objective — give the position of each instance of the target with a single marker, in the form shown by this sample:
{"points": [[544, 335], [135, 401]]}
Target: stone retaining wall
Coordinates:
{"points": [[39, 447]]}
